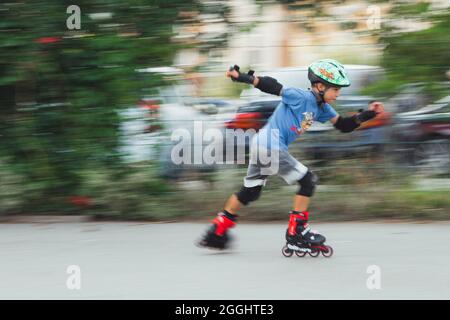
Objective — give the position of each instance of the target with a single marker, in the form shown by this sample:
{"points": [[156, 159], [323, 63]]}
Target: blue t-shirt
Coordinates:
{"points": [[296, 112]]}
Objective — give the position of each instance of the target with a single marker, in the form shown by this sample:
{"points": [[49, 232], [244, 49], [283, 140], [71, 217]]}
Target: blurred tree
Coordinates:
{"points": [[61, 89], [419, 56]]}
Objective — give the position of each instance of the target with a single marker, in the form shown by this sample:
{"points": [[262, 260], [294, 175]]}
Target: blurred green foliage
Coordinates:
{"points": [[60, 93], [419, 56], [410, 8]]}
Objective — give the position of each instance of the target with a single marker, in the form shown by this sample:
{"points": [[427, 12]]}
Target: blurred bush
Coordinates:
{"points": [[418, 56], [60, 95]]}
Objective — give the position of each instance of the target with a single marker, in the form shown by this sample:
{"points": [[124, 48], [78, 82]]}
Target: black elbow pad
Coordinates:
{"points": [[347, 124], [269, 85]]}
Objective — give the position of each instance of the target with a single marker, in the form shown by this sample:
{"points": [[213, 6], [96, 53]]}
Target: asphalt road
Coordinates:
{"points": [[159, 261]]}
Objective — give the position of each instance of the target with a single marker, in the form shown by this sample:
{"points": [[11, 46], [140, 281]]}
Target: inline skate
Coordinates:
{"points": [[302, 240], [216, 236]]}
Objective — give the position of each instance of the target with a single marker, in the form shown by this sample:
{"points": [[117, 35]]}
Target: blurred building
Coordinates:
{"points": [[275, 35]]}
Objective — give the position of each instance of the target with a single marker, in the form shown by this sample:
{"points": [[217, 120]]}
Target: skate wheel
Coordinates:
{"points": [[314, 253], [300, 254], [328, 253], [287, 252]]}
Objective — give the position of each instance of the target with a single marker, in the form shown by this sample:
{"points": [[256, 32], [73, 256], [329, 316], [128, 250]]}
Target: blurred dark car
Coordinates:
{"points": [[249, 118], [423, 136], [253, 115]]}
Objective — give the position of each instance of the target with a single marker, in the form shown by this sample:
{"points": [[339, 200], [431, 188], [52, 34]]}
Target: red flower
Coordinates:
{"points": [[80, 201], [46, 40]]}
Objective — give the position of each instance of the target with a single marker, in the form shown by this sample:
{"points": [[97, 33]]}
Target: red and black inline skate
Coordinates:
{"points": [[216, 236], [302, 240]]}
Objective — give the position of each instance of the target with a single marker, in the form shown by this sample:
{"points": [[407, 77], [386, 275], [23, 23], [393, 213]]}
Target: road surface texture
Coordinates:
{"points": [[159, 261]]}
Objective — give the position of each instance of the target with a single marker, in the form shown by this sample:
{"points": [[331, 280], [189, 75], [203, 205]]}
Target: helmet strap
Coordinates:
{"points": [[320, 95]]}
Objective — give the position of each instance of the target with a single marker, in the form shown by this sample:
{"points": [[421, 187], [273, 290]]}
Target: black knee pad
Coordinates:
{"points": [[246, 195], [308, 184]]}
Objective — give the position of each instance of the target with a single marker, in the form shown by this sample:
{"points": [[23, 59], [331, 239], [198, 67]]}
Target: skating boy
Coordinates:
{"points": [[296, 112]]}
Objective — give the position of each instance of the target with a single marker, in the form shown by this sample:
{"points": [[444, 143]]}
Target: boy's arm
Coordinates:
{"points": [[265, 84], [348, 124]]}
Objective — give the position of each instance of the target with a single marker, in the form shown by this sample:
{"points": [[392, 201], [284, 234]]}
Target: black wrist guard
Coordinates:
{"points": [[366, 115], [269, 85], [348, 124], [243, 77]]}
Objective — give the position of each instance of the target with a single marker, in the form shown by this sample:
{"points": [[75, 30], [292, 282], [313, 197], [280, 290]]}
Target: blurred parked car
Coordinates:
{"points": [[410, 97], [423, 136], [149, 127]]}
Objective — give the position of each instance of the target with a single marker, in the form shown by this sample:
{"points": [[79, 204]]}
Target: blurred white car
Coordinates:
{"points": [[170, 128]]}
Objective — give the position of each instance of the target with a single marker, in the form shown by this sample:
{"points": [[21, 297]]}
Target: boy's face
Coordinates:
{"points": [[331, 94]]}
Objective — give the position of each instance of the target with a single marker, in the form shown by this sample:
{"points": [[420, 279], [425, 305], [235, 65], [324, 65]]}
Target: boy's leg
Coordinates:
{"points": [[216, 235], [299, 231], [299, 215], [307, 187], [247, 195], [232, 205], [300, 203], [292, 172]]}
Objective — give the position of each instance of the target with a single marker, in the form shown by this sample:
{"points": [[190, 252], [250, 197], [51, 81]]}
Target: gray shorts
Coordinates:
{"points": [[264, 163]]}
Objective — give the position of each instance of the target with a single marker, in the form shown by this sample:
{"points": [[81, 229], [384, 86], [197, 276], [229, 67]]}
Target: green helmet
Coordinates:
{"points": [[329, 72]]}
